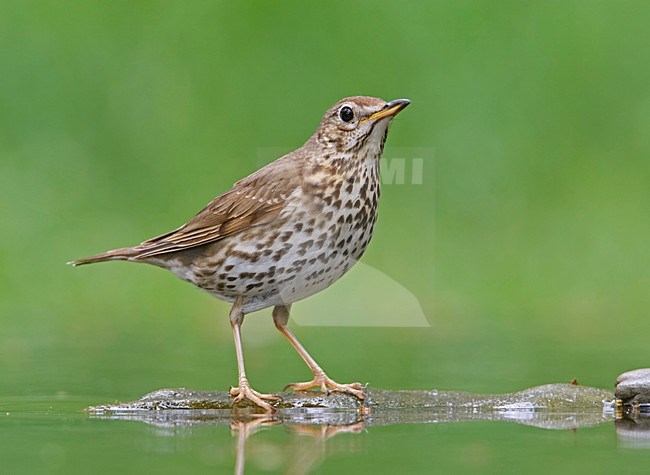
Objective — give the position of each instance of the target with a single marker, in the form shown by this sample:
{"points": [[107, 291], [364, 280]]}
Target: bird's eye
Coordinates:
{"points": [[346, 114]]}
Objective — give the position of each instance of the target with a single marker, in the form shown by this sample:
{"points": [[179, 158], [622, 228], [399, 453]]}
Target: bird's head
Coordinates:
{"points": [[357, 123]]}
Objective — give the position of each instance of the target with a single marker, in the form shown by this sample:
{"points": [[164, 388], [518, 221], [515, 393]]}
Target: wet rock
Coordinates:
{"points": [[549, 396], [633, 387], [553, 397]]}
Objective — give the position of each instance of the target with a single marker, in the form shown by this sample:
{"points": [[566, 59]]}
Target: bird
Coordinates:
{"points": [[285, 232]]}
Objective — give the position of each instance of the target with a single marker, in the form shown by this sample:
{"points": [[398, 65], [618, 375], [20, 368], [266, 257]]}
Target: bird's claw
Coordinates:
{"points": [[245, 391], [328, 386]]}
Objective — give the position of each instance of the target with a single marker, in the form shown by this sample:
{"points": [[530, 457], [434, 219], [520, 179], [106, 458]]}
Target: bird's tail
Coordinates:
{"points": [[123, 254]]}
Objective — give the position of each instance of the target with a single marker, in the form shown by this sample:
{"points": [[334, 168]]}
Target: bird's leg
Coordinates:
{"points": [[244, 390], [321, 380]]}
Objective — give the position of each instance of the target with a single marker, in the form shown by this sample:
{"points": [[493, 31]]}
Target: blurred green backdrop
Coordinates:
{"points": [[526, 244]]}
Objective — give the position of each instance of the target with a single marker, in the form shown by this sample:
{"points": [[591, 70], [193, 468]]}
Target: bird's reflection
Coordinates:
{"points": [[308, 447], [310, 430], [242, 430]]}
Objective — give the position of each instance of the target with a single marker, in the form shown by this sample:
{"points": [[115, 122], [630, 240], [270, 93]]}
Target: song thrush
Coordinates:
{"points": [[285, 232]]}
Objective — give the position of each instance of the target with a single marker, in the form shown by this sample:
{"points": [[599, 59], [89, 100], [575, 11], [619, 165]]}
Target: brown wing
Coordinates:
{"points": [[257, 199]]}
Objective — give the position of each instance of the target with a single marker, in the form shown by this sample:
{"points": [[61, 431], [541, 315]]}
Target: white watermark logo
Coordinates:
{"points": [[406, 165], [364, 297], [369, 297], [398, 165]]}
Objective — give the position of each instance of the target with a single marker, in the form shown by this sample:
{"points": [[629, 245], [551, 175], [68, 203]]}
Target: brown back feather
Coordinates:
{"points": [[254, 200]]}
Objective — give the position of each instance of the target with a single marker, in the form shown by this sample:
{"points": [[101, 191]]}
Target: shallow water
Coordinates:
{"points": [[47, 385], [55, 435]]}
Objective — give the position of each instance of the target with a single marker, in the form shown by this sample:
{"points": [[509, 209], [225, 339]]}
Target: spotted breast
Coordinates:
{"points": [[309, 246]]}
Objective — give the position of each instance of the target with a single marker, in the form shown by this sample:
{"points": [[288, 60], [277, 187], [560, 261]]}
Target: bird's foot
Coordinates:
{"points": [[328, 385], [245, 391]]}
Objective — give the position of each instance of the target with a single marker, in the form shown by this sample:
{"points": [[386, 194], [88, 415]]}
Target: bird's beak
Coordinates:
{"points": [[391, 109]]}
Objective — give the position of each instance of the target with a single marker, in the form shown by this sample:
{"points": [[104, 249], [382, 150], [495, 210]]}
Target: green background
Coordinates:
{"points": [[526, 243]]}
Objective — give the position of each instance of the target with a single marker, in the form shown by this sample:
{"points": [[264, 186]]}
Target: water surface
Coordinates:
{"points": [[55, 435]]}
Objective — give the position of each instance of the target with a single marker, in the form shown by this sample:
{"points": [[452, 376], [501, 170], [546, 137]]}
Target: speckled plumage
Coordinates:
{"points": [[322, 230], [290, 229]]}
